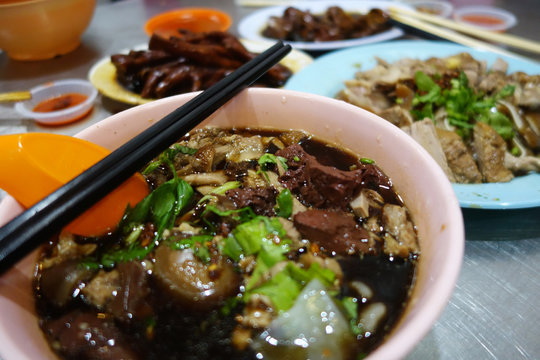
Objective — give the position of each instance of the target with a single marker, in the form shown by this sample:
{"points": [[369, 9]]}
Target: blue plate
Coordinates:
{"points": [[327, 74]]}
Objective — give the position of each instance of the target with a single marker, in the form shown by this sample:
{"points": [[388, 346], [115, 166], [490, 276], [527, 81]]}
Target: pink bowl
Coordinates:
{"points": [[420, 181]]}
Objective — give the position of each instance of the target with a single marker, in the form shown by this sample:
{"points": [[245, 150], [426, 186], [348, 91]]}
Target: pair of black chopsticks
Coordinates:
{"points": [[28, 230]]}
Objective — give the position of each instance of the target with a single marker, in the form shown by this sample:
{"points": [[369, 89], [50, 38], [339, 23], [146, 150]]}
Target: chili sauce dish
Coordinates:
{"points": [[285, 226], [59, 102]]}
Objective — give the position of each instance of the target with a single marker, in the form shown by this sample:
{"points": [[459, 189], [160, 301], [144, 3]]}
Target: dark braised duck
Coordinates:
{"points": [[188, 62], [334, 24]]}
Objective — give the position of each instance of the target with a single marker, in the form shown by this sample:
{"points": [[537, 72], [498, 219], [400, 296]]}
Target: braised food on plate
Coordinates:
{"points": [[253, 244], [187, 62], [334, 24], [480, 124]]}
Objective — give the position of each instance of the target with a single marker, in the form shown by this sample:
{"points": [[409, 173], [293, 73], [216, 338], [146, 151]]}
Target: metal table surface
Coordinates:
{"points": [[494, 311]]}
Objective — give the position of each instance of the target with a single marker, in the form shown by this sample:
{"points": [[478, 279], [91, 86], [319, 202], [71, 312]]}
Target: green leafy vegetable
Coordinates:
{"points": [[284, 287], [253, 234], [270, 159], [167, 157], [261, 236], [242, 215], [284, 203], [220, 190], [161, 207]]}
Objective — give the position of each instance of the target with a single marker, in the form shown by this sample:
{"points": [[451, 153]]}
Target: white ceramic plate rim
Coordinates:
{"points": [[252, 25], [328, 73]]}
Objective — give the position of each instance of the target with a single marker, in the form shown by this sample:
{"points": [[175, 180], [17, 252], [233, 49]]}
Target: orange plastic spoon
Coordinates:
{"points": [[35, 164]]}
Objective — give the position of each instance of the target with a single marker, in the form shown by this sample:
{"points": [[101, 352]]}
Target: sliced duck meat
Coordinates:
{"points": [[336, 232], [424, 133], [398, 116], [459, 157], [490, 149]]}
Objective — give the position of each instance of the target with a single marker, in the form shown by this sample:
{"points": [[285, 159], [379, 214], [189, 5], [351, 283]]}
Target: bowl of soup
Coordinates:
{"points": [[287, 225]]}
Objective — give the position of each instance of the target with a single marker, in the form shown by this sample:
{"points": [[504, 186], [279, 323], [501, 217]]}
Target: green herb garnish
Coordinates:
{"points": [[167, 157], [220, 190], [464, 106], [268, 160], [161, 207]]}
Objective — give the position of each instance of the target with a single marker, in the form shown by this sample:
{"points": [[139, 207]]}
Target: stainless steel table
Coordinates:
{"points": [[495, 310]]}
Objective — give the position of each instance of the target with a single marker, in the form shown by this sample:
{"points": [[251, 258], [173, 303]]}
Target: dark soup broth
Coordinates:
{"points": [[253, 244]]}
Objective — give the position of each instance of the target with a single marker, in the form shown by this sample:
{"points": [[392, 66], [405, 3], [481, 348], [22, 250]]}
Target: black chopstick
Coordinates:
{"points": [[25, 232]]}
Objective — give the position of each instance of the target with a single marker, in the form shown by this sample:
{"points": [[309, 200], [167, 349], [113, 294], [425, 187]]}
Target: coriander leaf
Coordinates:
{"points": [[423, 81], [270, 159], [506, 91]]}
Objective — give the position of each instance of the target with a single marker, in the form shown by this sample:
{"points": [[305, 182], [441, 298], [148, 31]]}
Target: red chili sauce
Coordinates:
{"points": [[482, 19], [60, 102]]}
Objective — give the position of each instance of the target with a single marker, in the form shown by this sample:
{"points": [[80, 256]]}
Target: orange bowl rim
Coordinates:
{"points": [[164, 17]]}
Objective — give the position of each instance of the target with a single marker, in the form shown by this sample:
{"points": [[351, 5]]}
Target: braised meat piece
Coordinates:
{"points": [[424, 133], [336, 232], [324, 186], [188, 62], [333, 24], [459, 158], [80, 335], [490, 148], [261, 199]]}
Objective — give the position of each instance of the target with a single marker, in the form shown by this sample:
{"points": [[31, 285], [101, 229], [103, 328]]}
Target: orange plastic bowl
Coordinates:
{"points": [[43, 29], [193, 19]]}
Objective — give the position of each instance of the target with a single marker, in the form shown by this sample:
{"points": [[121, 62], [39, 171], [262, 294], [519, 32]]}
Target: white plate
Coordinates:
{"points": [[328, 73], [103, 74], [251, 26]]}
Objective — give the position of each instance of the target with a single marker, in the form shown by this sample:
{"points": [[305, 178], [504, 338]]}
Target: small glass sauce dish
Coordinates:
{"points": [[434, 7], [486, 17], [59, 102]]}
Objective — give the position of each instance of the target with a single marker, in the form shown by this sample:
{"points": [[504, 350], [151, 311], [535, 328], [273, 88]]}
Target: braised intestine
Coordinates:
{"points": [[187, 62], [334, 24]]}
